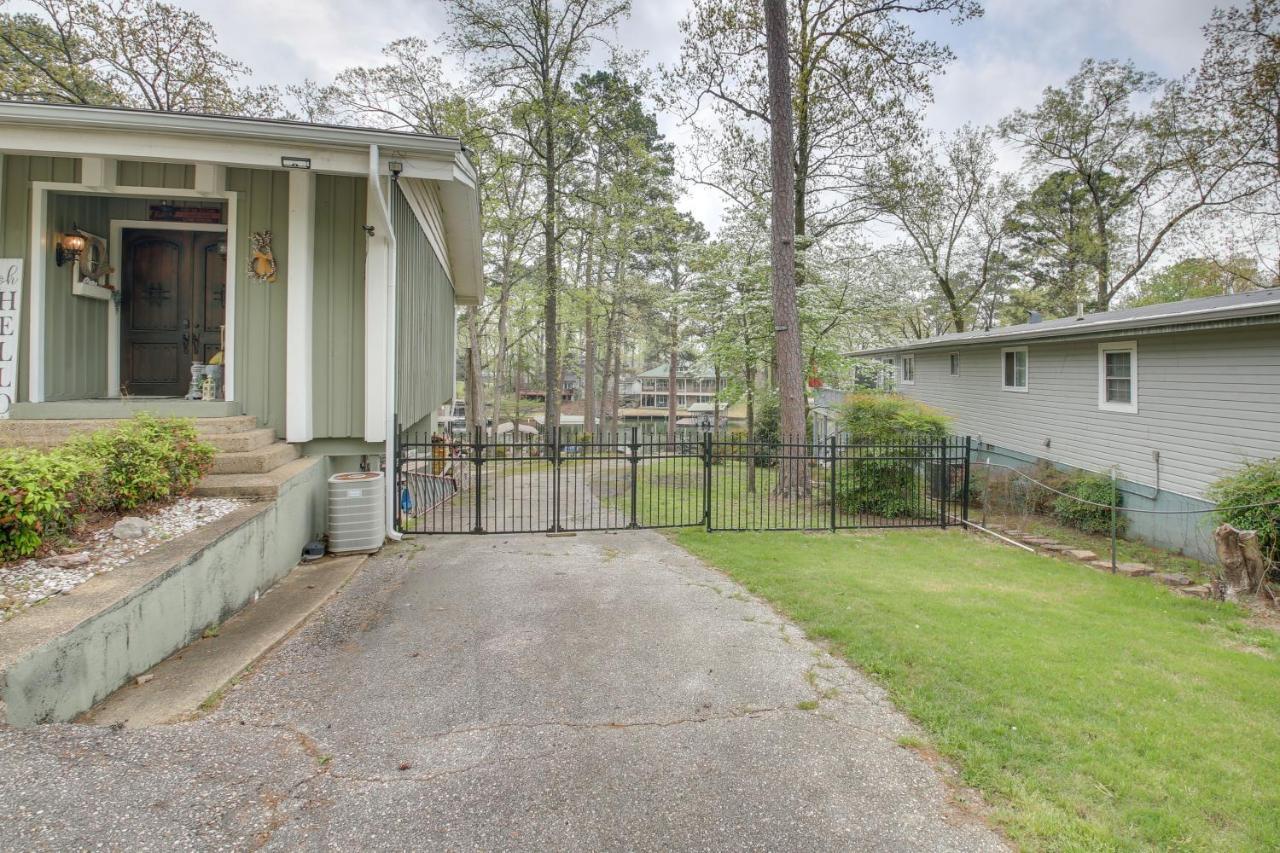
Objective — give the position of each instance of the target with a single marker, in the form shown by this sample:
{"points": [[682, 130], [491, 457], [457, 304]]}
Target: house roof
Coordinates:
{"points": [[1231, 309], [64, 130]]}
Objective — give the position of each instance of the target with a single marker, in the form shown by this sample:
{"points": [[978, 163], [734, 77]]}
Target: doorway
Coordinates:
{"points": [[173, 307]]}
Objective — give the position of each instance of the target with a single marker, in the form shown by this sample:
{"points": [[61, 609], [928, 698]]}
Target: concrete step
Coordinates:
{"points": [[252, 485], [52, 432], [241, 442], [258, 461], [220, 426]]}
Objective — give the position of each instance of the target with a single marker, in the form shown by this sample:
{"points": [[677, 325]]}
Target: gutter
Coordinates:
{"points": [[389, 437]]}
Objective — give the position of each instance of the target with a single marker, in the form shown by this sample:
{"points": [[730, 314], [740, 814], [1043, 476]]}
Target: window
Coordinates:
{"points": [[908, 370], [1118, 376], [1014, 374], [955, 363]]}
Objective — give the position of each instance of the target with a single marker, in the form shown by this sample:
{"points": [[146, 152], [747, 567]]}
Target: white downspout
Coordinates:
{"points": [[389, 439]]}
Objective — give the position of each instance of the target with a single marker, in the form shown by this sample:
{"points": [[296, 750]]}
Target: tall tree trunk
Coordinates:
{"points": [[790, 379], [750, 373], [673, 374], [589, 372], [617, 384], [551, 406], [715, 402]]}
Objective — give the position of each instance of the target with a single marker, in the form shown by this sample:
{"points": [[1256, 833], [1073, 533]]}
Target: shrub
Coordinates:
{"points": [[1091, 519], [41, 494], [145, 459], [890, 488], [1255, 483], [869, 418]]}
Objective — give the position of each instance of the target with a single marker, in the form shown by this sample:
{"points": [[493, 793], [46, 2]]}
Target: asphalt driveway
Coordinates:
{"points": [[604, 691]]}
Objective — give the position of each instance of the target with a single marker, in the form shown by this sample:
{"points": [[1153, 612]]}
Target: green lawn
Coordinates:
{"points": [[1094, 712]]}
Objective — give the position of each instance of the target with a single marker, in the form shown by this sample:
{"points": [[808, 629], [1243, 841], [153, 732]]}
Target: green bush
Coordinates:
{"points": [[146, 459], [1255, 483], [888, 478], [41, 494], [46, 493], [1096, 488]]}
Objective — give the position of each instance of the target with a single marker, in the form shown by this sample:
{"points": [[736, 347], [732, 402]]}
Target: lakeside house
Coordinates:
{"points": [[320, 265], [1171, 396]]}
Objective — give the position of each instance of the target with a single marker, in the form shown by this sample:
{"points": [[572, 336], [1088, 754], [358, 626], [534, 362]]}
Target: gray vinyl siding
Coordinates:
{"points": [[1207, 401], [262, 205], [338, 342], [424, 320], [173, 176]]}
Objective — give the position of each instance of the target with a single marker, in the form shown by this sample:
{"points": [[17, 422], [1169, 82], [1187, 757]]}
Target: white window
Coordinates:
{"points": [[1014, 369], [1118, 376], [954, 359], [908, 370]]}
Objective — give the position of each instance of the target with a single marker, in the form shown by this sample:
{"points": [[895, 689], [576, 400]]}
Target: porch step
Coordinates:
{"points": [[253, 485], [54, 431], [221, 426], [240, 442], [258, 461]]}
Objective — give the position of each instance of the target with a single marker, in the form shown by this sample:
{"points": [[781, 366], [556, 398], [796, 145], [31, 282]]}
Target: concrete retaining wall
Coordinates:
{"points": [[85, 644]]}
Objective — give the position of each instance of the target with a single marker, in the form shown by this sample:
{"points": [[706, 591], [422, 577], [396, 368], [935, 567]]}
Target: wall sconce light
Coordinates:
{"points": [[69, 247], [222, 248]]}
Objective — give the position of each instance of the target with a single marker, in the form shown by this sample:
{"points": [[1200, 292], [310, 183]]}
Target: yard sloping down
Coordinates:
{"points": [[1094, 712]]}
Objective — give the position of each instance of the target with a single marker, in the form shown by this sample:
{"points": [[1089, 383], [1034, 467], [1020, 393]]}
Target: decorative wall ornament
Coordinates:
{"points": [[262, 264], [90, 274]]}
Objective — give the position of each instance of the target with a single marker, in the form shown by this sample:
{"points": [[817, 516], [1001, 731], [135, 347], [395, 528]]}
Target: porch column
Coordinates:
{"points": [[377, 265], [299, 301]]}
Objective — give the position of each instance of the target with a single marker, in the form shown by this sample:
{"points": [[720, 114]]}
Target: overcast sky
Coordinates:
{"points": [[1003, 60]]}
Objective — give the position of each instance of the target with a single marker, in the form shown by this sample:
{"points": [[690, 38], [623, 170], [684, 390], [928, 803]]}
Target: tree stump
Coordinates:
{"points": [[1244, 570]]}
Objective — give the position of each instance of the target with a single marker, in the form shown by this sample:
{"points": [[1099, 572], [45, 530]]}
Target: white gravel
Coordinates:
{"points": [[32, 581]]}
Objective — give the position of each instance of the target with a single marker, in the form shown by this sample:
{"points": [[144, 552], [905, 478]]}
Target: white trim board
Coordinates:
{"points": [[115, 248], [38, 262]]}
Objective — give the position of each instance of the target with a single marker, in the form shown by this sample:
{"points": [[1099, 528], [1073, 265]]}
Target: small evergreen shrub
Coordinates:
{"points": [[1255, 483], [146, 459], [888, 477], [1084, 516], [889, 488], [41, 494], [870, 418]]}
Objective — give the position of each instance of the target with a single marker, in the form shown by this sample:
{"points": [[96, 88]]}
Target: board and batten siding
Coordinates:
{"points": [[173, 176], [1207, 402], [338, 330], [262, 205], [424, 320]]}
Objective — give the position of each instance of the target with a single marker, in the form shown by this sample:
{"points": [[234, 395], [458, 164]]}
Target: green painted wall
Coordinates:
{"points": [[338, 330], [169, 175], [424, 320], [15, 220], [263, 205]]}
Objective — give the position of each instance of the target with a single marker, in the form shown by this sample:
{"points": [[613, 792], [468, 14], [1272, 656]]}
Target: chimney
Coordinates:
{"points": [[1034, 317], [1079, 310]]}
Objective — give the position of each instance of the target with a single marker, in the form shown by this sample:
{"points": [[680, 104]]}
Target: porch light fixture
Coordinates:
{"points": [[222, 248], [69, 247]]}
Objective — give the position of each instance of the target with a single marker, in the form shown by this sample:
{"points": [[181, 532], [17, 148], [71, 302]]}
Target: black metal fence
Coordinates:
{"points": [[530, 483]]}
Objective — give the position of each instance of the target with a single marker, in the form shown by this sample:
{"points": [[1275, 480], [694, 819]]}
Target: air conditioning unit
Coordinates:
{"points": [[356, 520]]}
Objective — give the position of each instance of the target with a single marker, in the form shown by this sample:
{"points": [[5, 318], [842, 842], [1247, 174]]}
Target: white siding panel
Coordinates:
{"points": [[1207, 401]]}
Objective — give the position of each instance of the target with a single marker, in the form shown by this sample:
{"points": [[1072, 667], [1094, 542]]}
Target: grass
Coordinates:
{"points": [[1094, 712]]}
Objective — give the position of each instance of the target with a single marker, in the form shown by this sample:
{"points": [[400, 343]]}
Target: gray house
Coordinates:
{"points": [[1171, 396]]}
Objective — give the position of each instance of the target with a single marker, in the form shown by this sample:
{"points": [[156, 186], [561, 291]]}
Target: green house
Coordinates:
{"points": [[320, 266]]}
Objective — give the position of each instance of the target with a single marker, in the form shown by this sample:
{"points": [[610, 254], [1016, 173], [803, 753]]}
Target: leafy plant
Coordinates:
{"points": [[1097, 489], [146, 459], [886, 476], [891, 488], [41, 494], [1255, 483], [871, 418]]}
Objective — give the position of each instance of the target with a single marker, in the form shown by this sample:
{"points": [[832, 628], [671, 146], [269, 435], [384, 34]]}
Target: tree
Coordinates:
{"points": [[534, 50], [952, 205], [792, 479], [1194, 278], [134, 53]]}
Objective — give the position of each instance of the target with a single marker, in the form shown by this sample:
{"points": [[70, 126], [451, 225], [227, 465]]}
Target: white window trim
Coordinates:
{"points": [[956, 356], [1014, 388], [1130, 347], [903, 369]]}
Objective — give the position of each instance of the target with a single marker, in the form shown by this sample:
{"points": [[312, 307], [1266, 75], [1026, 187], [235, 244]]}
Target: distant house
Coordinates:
{"points": [[1172, 396], [692, 386]]}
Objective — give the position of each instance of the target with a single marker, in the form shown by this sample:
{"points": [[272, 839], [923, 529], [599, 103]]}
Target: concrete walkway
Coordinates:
{"points": [[522, 692]]}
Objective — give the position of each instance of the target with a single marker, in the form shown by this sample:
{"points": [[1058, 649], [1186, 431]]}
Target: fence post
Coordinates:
{"points": [[477, 458], [943, 483], [831, 487], [706, 480], [555, 480], [964, 495], [633, 457], [1113, 519]]}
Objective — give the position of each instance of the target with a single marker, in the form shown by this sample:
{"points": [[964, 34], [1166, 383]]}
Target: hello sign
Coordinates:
{"points": [[10, 321]]}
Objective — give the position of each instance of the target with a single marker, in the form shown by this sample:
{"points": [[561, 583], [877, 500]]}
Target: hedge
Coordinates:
{"points": [[47, 493]]}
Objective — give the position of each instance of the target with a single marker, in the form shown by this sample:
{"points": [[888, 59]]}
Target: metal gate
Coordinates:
{"points": [[563, 483]]}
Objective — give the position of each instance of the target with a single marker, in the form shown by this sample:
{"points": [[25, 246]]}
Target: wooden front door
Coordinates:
{"points": [[173, 308]]}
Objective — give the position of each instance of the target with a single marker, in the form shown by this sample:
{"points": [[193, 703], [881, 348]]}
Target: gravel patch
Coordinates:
{"points": [[32, 581]]}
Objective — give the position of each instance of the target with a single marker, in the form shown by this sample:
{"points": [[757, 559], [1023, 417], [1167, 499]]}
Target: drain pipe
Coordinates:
{"points": [[389, 437]]}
